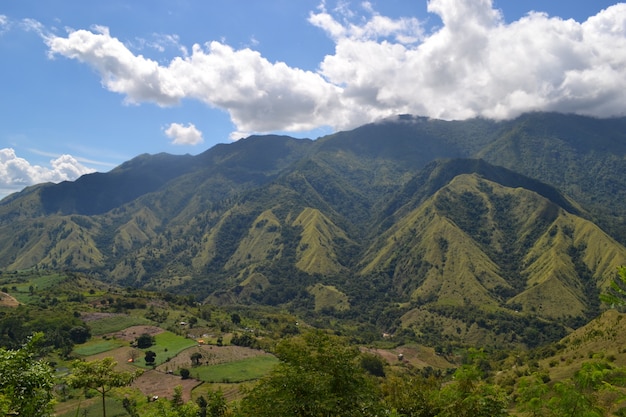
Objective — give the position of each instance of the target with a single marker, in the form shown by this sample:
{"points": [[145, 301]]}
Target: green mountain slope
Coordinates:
{"points": [[393, 223], [477, 242]]}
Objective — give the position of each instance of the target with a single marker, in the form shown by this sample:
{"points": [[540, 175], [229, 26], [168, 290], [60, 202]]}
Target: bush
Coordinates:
{"points": [[145, 341]]}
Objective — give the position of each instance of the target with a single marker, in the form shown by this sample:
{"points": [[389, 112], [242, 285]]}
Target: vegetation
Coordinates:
{"points": [[616, 293], [100, 376], [349, 225], [26, 381], [381, 271], [313, 372]]}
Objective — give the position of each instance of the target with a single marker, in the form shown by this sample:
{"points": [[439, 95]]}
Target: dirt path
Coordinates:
{"points": [[7, 300]]}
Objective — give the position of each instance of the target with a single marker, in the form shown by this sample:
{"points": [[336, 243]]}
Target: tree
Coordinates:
{"points": [[184, 373], [196, 357], [145, 341], [101, 376], [318, 375], [26, 382], [579, 396], [373, 364], [79, 334], [216, 404], [470, 396], [616, 293], [177, 398], [150, 357]]}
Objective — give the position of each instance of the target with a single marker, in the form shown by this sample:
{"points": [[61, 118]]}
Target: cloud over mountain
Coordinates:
{"points": [[474, 64], [183, 135], [16, 172]]}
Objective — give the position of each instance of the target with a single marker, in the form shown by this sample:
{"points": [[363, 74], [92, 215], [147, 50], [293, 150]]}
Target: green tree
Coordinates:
{"points": [[579, 396], [79, 334], [196, 357], [216, 404], [150, 357], [411, 395], [616, 293], [164, 408], [101, 376], [145, 341], [531, 395], [318, 375], [470, 396], [26, 381]]}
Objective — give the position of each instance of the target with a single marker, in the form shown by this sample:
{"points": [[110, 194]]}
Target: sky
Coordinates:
{"points": [[88, 84]]}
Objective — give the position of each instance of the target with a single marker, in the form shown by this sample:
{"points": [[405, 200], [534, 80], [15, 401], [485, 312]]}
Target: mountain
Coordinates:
{"points": [[459, 231]]}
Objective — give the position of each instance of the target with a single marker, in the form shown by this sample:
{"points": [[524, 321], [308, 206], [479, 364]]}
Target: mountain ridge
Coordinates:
{"points": [[389, 218]]}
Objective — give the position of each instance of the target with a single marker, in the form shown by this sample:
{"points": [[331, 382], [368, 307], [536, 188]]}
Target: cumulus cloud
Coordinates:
{"points": [[474, 64], [184, 135], [16, 172]]}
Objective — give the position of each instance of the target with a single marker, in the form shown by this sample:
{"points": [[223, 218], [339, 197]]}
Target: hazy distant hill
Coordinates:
{"points": [[481, 228]]}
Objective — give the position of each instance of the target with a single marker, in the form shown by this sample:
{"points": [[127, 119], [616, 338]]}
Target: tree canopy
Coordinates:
{"points": [[101, 376], [25, 381], [318, 375]]}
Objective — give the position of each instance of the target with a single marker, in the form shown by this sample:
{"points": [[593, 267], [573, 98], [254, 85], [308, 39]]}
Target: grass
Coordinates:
{"points": [[238, 371], [167, 345], [19, 285], [94, 408], [95, 346], [116, 323]]}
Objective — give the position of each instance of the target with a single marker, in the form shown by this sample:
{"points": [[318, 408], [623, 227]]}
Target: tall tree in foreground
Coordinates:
{"points": [[26, 382], [318, 375], [101, 376]]}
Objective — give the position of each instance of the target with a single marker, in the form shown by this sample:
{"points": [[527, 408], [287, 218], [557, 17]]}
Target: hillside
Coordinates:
{"points": [[483, 229]]}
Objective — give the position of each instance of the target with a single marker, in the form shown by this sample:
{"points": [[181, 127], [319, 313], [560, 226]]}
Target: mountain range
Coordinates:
{"points": [[503, 232]]}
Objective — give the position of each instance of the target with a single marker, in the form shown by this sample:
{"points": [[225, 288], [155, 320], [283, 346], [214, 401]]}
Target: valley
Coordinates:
{"points": [[415, 249]]}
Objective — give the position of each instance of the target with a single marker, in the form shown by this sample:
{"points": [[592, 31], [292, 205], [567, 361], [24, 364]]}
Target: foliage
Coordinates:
{"points": [[616, 293], [165, 408], [318, 375], [101, 376], [470, 396], [150, 357], [213, 406], [578, 396], [145, 341], [25, 381]]}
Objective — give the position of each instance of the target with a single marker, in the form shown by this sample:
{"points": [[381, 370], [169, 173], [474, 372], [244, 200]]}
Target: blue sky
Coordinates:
{"points": [[87, 85]]}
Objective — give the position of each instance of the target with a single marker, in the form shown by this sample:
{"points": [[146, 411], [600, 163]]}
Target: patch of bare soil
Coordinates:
{"points": [[160, 381], [154, 383], [7, 300], [119, 355], [131, 333], [151, 382], [419, 357]]}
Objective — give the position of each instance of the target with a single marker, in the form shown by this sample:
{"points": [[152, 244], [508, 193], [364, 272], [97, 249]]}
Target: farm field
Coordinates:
{"points": [[221, 368], [236, 371]]}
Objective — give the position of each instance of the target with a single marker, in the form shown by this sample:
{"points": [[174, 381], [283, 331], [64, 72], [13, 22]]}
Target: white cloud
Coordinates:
{"points": [[475, 64], [184, 135], [4, 24], [16, 172]]}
